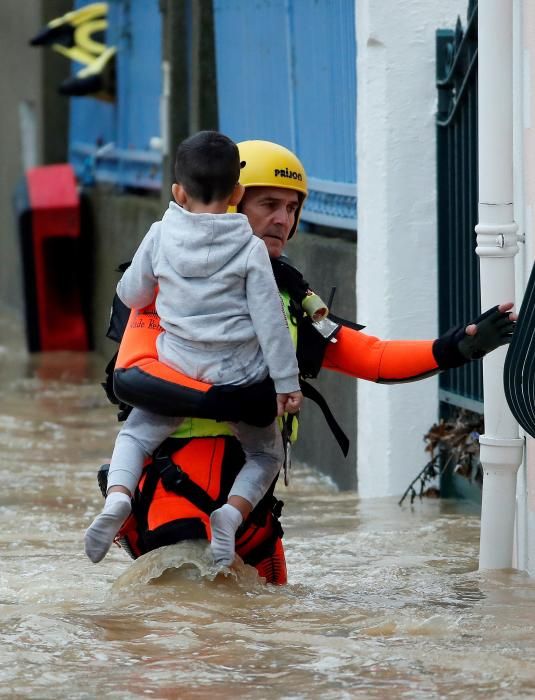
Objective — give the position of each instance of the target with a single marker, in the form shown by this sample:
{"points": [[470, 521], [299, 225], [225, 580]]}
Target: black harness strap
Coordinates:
{"points": [[289, 278], [175, 479], [119, 316], [345, 322], [314, 395]]}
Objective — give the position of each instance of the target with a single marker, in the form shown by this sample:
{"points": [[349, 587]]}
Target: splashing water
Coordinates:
{"points": [[182, 564]]}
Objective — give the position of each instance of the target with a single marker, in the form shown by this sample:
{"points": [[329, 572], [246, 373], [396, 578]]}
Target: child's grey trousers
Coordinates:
{"points": [[143, 432]]}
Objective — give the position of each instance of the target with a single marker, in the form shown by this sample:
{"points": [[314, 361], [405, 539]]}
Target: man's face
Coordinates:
{"points": [[271, 212]]}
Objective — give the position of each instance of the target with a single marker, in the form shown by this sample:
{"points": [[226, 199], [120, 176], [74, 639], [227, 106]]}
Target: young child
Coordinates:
{"points": [[223, 324]]}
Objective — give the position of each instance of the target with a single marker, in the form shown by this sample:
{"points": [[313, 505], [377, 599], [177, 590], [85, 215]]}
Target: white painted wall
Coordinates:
{"points": [[397, 249]]}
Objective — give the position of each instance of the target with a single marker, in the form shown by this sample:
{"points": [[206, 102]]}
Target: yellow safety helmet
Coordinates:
{"points": [[266, 164]]}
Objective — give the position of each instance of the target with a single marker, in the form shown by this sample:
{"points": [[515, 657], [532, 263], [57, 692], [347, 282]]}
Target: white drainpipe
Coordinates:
{"points": [[501, 448]]}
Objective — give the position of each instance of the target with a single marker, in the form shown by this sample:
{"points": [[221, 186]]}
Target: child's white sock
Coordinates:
{"points": [[100, 534], [224, 522]]}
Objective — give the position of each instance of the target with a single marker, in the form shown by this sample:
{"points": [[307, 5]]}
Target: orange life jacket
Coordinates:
{"points": [[141, 380]]}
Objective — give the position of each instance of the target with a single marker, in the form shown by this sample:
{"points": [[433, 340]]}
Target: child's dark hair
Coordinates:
{"points": [[207, 165]]}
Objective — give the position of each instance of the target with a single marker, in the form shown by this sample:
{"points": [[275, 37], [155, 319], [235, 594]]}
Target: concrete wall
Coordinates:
{"points": [[20, 81], [28, 81], [328, 262], [116, 225]]}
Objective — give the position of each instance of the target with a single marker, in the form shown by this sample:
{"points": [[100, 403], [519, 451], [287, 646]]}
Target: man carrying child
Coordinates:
{"points": [[223, 324]]}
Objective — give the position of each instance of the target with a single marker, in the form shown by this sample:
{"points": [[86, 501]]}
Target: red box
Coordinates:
{"points": [[48, 207]]}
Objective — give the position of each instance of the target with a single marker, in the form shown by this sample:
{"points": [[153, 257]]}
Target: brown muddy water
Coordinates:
{"points": [[382, 601]]}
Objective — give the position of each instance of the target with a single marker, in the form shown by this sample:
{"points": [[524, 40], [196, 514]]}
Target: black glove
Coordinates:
{"points": [[456, 348], [494, 328]]}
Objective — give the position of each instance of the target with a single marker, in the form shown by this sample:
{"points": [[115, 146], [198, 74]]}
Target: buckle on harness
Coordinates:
{"points": [[327, 328], [172, 476]]}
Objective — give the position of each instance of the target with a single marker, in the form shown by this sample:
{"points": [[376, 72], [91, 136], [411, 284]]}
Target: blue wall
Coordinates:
{"points": [[286, 72], [111, 141]]}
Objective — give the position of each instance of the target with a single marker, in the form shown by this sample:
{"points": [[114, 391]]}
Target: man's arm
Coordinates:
{"points": [[366, 357], [393, 361]]}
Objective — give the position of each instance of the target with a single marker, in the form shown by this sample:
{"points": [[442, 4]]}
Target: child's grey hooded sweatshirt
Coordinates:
{"points": [[218, 301]]}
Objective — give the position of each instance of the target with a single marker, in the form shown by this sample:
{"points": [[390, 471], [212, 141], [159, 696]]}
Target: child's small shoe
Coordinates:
{"points": [[100, 534], [224, 522]]}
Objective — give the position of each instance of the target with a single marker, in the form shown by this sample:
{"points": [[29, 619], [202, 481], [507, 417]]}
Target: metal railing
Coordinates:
{"points": [[457, 184]]}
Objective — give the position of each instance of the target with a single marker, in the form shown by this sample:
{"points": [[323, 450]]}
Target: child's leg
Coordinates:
{"points": [[141, 434], [264, 454]]}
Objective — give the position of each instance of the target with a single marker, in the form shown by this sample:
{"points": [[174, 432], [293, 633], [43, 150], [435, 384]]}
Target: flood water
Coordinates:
{"points": [[382, 601]]}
